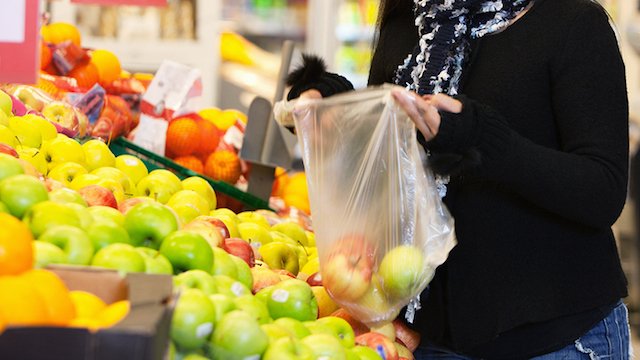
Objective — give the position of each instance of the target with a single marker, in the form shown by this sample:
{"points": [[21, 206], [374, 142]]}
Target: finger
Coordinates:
{"points": [[417, 110], [446, 103]]}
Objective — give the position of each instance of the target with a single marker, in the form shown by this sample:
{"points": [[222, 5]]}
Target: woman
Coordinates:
{"points": [[530, 125]]}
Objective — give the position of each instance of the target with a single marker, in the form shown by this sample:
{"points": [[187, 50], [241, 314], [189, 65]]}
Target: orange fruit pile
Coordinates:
{"points": [[223, 165], [60, 32], [190, 162], [296, 194], [183, 137]]}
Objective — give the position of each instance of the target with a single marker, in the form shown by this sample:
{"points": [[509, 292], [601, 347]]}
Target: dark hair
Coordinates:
{"points": [[386, 8]]}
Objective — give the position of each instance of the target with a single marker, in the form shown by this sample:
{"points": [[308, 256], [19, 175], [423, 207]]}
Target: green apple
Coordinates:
{"points": [[157, 187], [365, 353], [6, 104], [45, 253], [238, 336], [3, 208], [62, 149], [194, 356], [206, 229], [115, 187], [293, 230], [47, 130], [265, 293], [402, 271], [223, 264], [74, 242], [185, 213], [339, 328], [255, 218], [263, 277], [301, 251], [121, 257], [192, 321], [189, 198], [148, 223], [254, 233], [311, 237], [295, 327], [280, 255], [229, 222], [254, 307], [66, 172], [293, 298], [65, 195], [105, 232], [203, 188], [243, 271], [325, 346], [315, 327], [84, 180], [27, 134], [4, 119], [288, 349], [197, 279], [47, 215], [154, 262], [9, 166], [117, 175], [274, 331], [229, 286], [97, 154], [132, 166], [223, 304], [187, 251], [20, 192], [83, 215], [7, 136], [106, 213], [168, 176]]}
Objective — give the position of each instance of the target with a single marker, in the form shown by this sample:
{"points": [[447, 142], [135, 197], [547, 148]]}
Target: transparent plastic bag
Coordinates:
{"points": [[381, 228]]}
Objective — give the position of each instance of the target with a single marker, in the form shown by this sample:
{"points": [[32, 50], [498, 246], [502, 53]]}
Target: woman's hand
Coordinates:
{"points": [[423, 111]]}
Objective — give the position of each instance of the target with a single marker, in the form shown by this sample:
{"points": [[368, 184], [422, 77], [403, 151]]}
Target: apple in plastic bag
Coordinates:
{"points": [[402, 271], [348, 268]]}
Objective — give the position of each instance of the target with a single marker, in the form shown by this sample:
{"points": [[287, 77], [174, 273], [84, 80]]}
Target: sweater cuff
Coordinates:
{"points": [[327, 84], [478, 135]]}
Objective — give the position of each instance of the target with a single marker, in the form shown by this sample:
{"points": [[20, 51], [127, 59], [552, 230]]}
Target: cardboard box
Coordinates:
{"points": [[142, 335]]}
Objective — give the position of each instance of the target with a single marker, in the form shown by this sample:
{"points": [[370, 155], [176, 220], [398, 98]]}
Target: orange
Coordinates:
{"points": [[297, 185], [297, 201], [20, 303], [60, 308], [223, 165], [183, 136], [87, 305], [281, 179], [85, 74], [56, 33], [108, 66], [2, 325], [16, 252], [190, 162], [45, 55], [113, 314], [209, 137]]}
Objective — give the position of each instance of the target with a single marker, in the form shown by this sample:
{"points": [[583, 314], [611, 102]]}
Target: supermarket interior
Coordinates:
{"points": [[153, 205]]}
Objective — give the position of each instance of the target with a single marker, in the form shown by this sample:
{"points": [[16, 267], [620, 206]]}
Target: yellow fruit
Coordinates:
{"points": [[87, 304], [113, 314], [54, 292]]}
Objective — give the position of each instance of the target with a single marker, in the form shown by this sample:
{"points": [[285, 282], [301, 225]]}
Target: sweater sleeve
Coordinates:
{"points": [[585, 180]]}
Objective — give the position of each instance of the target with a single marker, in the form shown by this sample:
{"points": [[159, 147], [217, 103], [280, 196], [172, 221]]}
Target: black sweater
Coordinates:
{"points": [[548, 122]]}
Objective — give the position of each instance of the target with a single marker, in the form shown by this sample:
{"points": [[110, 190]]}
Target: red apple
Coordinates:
{"points": [[315, 279], [378, 342], [224, 231], [239, 248], [405, 335], [207, 230], [348, 269], [98, 195], [131, 202], [285, 273], [262, 278], [403, 351], [7, 149], [358, 327], [52, 184]]}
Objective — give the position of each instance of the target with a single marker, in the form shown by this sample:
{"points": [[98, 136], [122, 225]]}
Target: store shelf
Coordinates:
{"points": [[354, 33]]}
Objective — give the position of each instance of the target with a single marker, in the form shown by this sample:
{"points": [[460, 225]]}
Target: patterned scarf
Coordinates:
{"points": [[445, 28]]}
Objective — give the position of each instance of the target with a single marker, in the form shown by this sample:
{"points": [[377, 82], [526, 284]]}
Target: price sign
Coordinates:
{"points": [[123, 2], [19, 41]]}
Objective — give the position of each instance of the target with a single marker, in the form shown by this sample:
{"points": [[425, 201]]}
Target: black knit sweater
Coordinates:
{"points": [[536, 264]]}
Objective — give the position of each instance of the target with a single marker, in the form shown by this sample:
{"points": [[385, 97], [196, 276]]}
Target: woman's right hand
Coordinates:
{"points": [[423, 111]]}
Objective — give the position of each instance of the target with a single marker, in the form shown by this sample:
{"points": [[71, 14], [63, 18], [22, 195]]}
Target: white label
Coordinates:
{"points": [[151, 134], [234, 137], [251, 357], [204, 330], [237, 288], [174, 85], [280, 295], [12, 20]]}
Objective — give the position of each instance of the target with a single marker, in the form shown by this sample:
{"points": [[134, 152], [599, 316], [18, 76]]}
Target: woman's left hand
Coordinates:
{"points": [[423, 111]]}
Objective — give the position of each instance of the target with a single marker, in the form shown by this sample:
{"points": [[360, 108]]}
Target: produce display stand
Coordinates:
{"points": [[142, 335], [153, 161]]}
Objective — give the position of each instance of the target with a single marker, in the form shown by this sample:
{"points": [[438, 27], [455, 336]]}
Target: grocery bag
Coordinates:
{"points": [[381, 227]]}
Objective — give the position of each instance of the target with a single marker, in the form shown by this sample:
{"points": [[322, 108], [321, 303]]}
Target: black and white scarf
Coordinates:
{"points": [[445, 28]]}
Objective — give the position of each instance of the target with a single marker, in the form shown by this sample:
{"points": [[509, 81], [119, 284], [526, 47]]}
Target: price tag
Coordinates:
{"points": [[19, 43], [123, 2]]}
